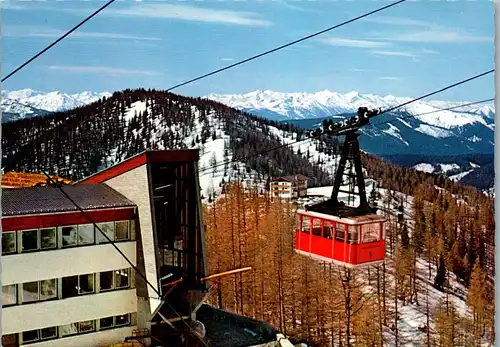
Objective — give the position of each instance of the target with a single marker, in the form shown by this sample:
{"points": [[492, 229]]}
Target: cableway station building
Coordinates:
{"points": [[65, 284]]}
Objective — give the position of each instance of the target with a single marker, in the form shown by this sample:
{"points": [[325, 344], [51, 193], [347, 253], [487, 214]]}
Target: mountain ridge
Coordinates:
{"points": [[23, 103], [302, 105], [441, 133]]}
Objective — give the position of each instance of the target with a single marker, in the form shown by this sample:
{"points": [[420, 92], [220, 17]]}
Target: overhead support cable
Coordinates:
{"points": [[285, 45], [58, 40]]}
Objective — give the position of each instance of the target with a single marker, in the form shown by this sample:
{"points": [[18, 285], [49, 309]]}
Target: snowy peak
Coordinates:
{"points": [[290, 106], [421, 127], [48, 101]]}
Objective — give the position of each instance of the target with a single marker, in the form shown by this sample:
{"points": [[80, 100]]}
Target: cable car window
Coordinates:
{"points": [[306, 224], [327, 230], [340, 232], [316, 228], [353, 234], [370, 232]]}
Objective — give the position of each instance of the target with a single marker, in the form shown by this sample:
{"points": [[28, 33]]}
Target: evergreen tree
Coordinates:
{"points": [[440, 278]]}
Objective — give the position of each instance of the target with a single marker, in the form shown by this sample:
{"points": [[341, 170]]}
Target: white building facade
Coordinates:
{"points": [[63, 283], [289, 187]]}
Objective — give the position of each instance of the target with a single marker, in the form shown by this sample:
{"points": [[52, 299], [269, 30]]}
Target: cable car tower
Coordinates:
{"points": [[332, 231]]}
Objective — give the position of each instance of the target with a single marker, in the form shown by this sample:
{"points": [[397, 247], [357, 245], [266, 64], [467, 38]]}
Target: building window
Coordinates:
{"points": [[122, 231], [122, 320], [9, 242], [86, 326], [106, 323], [77, 285], [39, 291], [106, 228], [122, 278], [30, 336], [106, 281], [9, 295], [48, 238], [48, 289], [48, 333], [30, 292], [86, 284], [69, 287], [69, 329], [29, 240], [86, 234], [69, 236]]}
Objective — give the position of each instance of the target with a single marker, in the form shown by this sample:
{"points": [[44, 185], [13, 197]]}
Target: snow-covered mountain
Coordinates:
{"points": [[292, 106], [30, 103], [422, 126], [419, 129], [462, 131]]}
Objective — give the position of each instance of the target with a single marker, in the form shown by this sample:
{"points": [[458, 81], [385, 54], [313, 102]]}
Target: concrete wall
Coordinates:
{"points": [[134, 185]]}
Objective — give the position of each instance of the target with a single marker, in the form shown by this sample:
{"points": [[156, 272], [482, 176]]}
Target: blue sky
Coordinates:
{"points": [[407, 50]]}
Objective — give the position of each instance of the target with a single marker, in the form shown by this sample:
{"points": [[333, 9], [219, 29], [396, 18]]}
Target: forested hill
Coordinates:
{"points": [[77, 143]]}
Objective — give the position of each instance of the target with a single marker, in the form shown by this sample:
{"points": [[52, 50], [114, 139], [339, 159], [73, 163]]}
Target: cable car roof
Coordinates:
{"points": [[368, 218]]}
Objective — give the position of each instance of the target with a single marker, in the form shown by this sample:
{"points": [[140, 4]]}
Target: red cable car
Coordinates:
{"points": [[351, 242], [330, 230]]}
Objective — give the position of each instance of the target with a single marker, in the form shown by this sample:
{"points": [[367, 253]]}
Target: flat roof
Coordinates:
{"points": [[227, 329], [352, 219], [290, 178], [37, 200]]}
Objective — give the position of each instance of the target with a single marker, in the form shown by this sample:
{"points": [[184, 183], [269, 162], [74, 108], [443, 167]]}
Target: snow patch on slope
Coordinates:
{"points": [[433, 131], [459, 176], [425, 167], [393, 131], [448, 167]]}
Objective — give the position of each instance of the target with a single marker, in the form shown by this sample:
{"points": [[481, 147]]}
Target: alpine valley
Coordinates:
{"points": [[461, 140]]}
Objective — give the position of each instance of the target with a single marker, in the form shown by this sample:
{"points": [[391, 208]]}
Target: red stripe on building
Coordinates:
{"points": [[116, 170], [171, 156], [61, 219]]}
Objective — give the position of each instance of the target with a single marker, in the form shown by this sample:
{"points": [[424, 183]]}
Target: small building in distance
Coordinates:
{"points": [[288, 187]]}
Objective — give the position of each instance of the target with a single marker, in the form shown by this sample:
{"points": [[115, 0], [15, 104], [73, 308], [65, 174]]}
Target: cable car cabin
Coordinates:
{"points": [[352, 242]]}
